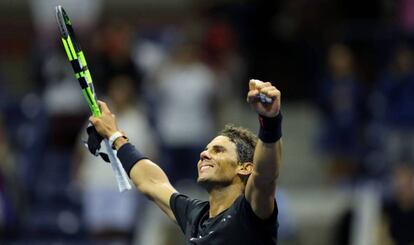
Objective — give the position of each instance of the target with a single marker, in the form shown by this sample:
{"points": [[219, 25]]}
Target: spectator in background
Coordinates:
{"points": [[398, 212], [10, 199], [64, 104], [341, 103], [185, 114], [396, 87], [221, 52], [47, 49], [3, 93], [104, 218], [114, 54], [405, 17]]}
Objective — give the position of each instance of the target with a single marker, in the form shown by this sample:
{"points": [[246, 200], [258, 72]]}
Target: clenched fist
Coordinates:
{"points": [[257, 87]]}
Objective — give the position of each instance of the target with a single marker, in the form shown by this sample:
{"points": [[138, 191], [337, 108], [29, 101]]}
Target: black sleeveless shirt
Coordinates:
{"points": [[237, 225]]}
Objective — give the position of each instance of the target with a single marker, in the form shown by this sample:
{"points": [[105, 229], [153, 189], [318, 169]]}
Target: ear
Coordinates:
{"points": [[245, 169]]}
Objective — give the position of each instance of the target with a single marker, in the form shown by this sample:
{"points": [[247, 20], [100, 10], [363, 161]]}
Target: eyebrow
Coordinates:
{"points": [[218, 148]]}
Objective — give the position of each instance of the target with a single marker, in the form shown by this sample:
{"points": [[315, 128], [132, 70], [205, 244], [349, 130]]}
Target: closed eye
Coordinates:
{"points": [[216, 149]]}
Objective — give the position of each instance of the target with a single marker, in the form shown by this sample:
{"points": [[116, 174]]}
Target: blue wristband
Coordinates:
{"points": [[270, 128], [129, 156]]}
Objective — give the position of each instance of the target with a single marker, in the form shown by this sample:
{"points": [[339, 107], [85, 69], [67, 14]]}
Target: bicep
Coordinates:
{"points": [[152, 182], [161, 196], [261, 197]]}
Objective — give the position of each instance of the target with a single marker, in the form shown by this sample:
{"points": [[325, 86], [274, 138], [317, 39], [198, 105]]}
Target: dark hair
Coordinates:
{"points": [[244, 139]]}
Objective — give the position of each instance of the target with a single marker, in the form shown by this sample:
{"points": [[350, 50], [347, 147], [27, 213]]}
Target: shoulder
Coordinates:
{"points": [[244, 209], [182, 199], [186, 210]]}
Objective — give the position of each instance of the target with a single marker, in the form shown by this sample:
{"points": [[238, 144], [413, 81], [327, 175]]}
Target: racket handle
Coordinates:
{"points": [[264, 99]]}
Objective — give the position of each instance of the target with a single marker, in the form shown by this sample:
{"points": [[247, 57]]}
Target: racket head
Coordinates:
{"points": [[65, 27], [77, 59], [62, 18]]}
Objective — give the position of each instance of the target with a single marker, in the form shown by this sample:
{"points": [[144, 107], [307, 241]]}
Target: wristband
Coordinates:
{"points": [[270, 128], [129, 156], [114, 137]]}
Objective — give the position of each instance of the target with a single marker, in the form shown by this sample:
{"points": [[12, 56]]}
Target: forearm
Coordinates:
{"points": [[148, 177], [267, 161], [144, 173], [268, 153], [261, 186]]}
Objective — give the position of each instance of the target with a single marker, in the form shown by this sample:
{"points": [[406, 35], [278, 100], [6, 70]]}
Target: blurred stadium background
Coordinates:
{"points": [[175, 72]]}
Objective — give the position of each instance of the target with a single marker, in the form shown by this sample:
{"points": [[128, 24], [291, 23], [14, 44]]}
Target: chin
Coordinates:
{"points": [[201, 180], [204, 182], [203, 176], [210, 184]]}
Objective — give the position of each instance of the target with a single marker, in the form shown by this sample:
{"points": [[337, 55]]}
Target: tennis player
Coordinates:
{"points": [[238, 170]]}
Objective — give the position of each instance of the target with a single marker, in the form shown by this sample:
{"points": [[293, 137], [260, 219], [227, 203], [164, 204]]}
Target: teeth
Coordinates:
{"points": [[204, 168]]}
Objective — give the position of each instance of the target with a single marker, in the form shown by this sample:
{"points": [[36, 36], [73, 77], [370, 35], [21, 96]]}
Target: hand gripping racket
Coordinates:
{"points": [[78, 61]]}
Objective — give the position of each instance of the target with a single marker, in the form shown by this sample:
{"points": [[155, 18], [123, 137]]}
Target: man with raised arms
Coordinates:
{"points": [[238, 170]]}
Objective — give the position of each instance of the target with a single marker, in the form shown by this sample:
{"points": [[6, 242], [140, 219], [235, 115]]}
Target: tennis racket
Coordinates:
{"points": [[77, 59]]}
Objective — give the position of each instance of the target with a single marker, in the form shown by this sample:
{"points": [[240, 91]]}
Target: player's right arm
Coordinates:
{"points": [[147, 176]]}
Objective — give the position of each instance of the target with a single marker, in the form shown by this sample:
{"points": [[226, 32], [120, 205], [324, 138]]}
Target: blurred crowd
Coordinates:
{"points": [[172, 82]]}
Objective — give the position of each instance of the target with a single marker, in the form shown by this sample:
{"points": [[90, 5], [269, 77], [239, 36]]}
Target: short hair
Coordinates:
{"points": [[244, 139]]}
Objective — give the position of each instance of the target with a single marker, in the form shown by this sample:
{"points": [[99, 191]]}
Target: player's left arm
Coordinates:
{"points": [[261, 185]]}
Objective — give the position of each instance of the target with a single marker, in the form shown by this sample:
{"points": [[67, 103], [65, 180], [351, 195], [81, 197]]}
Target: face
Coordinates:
{"points": [[218, 164]]}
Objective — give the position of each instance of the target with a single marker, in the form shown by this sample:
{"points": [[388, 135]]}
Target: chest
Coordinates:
{"points": [[226, 228]]}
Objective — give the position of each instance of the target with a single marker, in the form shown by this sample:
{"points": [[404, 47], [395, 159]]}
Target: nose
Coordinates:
{"points": [[204, 155]]}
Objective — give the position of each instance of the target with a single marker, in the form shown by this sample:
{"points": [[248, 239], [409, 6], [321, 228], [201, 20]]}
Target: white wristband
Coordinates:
{"points": [[113, 137]]}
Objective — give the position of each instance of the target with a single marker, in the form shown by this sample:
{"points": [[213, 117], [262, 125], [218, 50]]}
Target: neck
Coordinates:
{"points": [[221, 198]]}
